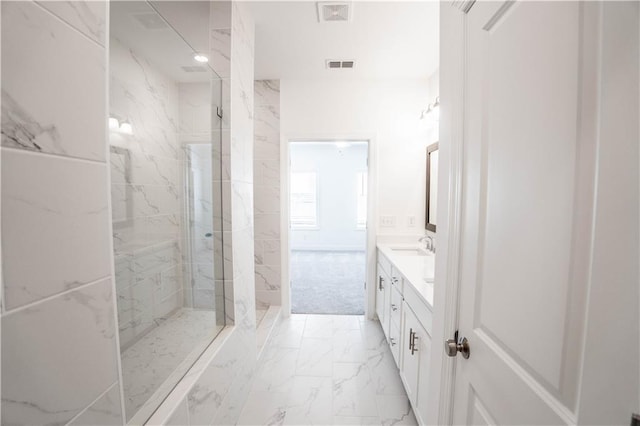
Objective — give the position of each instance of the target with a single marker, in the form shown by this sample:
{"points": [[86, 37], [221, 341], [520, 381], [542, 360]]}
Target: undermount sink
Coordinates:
{"points": [[409, 251]]}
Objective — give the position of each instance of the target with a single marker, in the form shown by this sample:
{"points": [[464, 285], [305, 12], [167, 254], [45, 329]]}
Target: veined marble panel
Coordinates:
{"points": [[221, 51], [180, 416], [147, 99], [195, 100], [267, 92], [266, 171], [31, 115], [150, 361], [267, 277], [106, 411], [53, 224], [264, 299], [271, 254], [267, 123], [58, 356], [88, 17], [267, 199], [267, 226]]}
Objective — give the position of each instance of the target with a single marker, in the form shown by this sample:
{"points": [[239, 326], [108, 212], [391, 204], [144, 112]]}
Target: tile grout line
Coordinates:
{"points": [[54, 296], [70, 26], [84, 410], [54, 155]]}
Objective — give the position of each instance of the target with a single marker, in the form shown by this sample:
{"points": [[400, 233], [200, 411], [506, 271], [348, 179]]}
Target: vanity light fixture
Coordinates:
{"points": [[432, 111], [118, 125], [126, 128], [114, 124], [199, 57]]}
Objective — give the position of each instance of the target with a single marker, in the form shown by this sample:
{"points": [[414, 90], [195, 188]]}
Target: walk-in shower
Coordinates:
{"points": [[163, 140]]}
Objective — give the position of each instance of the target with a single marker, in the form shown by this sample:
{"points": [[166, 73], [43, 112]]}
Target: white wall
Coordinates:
{"points": [[387, 111], [336, 170]]}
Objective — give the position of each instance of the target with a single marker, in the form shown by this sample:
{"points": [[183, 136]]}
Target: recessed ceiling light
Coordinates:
{"points": [[199, 57]]}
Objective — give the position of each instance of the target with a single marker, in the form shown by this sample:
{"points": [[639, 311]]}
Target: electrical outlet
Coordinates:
{"points": [[411, 221], [388, 221]]}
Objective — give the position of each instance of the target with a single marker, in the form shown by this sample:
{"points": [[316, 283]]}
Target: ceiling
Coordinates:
{"points": [[138, 25], [387, 39]]}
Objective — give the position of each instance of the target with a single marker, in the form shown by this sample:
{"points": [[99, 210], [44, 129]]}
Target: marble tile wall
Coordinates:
{"points": [[266, 170], [147, 194], [218, 389], [59, 351]]}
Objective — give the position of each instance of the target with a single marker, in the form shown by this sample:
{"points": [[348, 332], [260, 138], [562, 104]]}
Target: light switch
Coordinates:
{"points": [[388, 221]]}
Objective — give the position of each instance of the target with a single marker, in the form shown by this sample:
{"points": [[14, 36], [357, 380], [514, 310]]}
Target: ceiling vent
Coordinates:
{"points": [[334, 11], [193, 68], [333, 64], [150, 21]]}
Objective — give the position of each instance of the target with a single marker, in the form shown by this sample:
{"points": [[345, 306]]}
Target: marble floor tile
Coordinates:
{"points": [[347, 322], [315, 358], [277, 370], [348, 346], [152, 360], [395, 410], [384, 373], [289, 333], [319, 326], [264, 408], [310, 401], [343, 421], [353, 390], [306, 385]]}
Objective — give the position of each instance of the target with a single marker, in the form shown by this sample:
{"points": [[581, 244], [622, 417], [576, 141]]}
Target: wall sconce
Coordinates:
{"points": [[432, 112], [117, 126]]}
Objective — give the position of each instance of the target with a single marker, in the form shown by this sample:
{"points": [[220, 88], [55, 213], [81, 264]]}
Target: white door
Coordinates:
{"points": [[529, 185]]}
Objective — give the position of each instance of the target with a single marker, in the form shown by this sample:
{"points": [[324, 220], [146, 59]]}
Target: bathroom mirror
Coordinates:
{"points": [[166, 206], [432, 187]]}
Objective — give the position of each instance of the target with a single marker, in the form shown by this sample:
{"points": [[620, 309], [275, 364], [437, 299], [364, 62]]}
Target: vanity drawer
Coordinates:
{"points": [[419, 307], [397, 280], [395, 341], [395, 308], [384, 263]]}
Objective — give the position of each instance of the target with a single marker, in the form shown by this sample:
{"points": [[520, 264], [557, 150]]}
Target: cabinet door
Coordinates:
{"points": [[424, 352], [411, 329]]}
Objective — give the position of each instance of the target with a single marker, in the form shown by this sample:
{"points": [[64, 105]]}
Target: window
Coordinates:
{"points": [[361, 221], [304, 200]]}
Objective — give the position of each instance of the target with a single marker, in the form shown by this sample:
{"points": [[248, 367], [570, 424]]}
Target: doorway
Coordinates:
{"points": [[328, 196]]}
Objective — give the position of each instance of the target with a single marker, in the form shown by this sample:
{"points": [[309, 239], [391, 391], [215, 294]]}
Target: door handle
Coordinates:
{"points": [[380, 281], [452, 348]]}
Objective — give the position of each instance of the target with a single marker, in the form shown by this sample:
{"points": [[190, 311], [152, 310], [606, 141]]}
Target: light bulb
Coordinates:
{"points": [[114, 124], [126, 128], [199, 57]]}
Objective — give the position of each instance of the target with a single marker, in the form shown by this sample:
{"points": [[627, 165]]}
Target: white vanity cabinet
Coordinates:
{"points": [[406, 319], [416, 356]]}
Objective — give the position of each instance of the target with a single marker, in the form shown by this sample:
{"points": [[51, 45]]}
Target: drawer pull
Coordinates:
{"points": [[394, 307], [380, 281], [412, 341]]}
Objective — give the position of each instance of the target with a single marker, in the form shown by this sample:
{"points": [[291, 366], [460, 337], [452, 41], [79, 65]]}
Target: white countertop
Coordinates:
{"points": [[412, 268]]}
